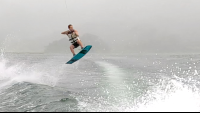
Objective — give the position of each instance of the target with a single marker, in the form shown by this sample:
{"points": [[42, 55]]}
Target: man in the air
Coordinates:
{"points": [[73, 38]]}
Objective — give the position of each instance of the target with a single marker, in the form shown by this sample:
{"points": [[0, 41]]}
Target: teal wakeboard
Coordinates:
{"points": [[80, 55]]}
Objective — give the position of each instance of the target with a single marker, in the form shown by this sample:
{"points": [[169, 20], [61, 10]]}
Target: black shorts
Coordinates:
{"points": [[75, 45]]}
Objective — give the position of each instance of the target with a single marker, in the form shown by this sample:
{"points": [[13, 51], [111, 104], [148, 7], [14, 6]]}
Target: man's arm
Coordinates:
{"points": [[65, 32], [76, 32]]}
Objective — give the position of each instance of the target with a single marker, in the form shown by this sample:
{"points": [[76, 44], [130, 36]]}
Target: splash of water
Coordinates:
{"points": [[170, 96], [167, 95], [20, 72]]}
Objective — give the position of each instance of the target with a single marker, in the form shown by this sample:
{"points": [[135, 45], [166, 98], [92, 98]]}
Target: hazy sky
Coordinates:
{"points": [[129, 25]]}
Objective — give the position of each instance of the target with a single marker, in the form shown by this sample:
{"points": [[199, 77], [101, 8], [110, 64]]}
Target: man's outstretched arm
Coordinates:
{"points": [[65, 32]]}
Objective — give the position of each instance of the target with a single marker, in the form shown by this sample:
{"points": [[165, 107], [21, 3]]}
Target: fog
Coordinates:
{"points": [[130, 26]]}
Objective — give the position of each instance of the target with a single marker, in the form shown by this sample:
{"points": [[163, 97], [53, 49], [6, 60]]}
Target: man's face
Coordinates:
{"points": [[71, 28]]}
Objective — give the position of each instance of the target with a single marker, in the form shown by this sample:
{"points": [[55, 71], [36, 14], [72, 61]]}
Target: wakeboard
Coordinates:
{"points": [[80, 55]]}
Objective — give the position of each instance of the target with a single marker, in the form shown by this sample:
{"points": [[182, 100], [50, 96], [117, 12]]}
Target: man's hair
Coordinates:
{"points": [[69, 25]]}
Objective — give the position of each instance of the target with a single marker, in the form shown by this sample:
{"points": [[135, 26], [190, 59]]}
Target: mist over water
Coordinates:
{"points": [[145, 56], [134, 26]]}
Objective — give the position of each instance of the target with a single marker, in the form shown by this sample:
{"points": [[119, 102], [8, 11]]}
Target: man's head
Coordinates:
{"points": [[70, 27]]}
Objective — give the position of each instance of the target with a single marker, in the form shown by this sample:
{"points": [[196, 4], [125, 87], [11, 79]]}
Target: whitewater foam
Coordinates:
{"points": [[21, 72], [168, 95]]}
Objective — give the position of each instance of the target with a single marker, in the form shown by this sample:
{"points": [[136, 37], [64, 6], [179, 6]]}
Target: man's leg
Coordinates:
{"points": [[72, 49], [80, 43]]}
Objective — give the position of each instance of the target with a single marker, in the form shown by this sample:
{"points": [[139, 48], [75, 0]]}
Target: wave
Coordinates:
{"points": [[22, 72], [170, 96]]}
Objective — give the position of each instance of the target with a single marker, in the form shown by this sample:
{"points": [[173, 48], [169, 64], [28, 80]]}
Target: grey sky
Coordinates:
{"points": [[130, 25]]}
